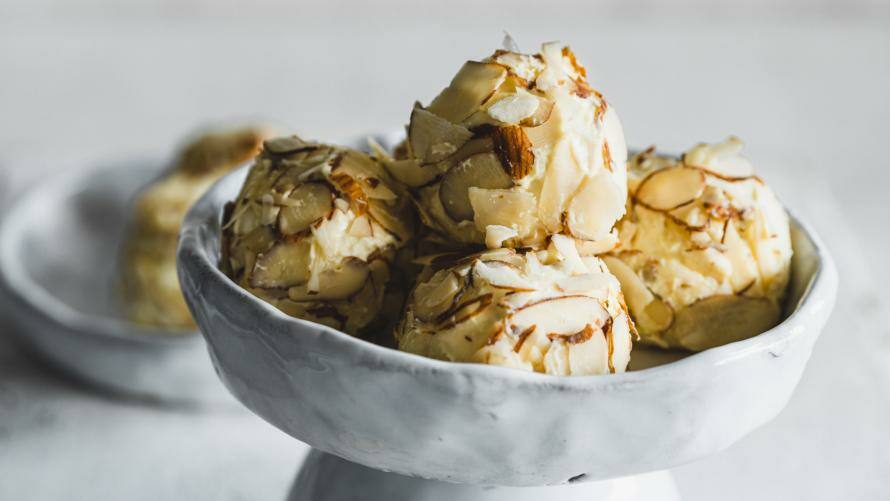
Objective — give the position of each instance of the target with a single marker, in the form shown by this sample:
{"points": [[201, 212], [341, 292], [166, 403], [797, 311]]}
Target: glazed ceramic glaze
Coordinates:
{"points": [[479, 424], [58, 252]]}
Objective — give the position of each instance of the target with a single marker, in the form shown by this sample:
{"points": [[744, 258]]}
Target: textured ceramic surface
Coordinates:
{"points": [[58, 251], [479, 424]]}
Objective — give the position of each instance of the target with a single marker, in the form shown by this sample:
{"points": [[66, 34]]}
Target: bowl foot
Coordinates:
{"points": [[325, 477]]}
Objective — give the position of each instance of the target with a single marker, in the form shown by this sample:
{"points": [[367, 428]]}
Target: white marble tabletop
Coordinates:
{"points": [[82, 82]]}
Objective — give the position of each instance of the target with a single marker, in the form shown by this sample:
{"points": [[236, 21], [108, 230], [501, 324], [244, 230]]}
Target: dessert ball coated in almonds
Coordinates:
{"points": [[148, 280], [550, 311], [516, 148], [705, 251], [314, 232]]}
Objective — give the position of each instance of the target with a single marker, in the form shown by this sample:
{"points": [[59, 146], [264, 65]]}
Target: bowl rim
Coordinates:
{"points": [[18, 285], [192, 259]]}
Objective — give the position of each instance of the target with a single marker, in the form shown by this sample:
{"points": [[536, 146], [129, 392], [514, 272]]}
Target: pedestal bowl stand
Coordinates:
{"points": [[392, 426]]}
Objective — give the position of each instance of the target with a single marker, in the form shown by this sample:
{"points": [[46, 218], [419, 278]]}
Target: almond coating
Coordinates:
{"points": [[537, 311], [148, 281], [517, 124], [705, 248], [314, 232]]}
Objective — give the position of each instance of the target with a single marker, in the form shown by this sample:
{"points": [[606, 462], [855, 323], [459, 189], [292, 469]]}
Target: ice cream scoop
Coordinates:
{"points": [[550, 311], [705, 248], [314, 232], [148, 279], [516, 148]]}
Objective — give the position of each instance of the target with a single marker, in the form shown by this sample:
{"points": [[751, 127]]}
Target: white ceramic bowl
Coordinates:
{"points": [[58, 251], [480, 424]]}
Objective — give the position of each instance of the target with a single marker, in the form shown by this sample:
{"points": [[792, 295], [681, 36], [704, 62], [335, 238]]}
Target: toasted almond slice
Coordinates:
{"points": [[744, 266], [560, 182], [410, 173], [433, 297], [483, 170], [464, 311], [596, 207], [602, 245], [287, 144], [360, 227], [284, 265], [722, 159], [362, 176], [717, 320], [434, 138], [565, 246], [514, 150], [650, 314], [496, 235], [545, 128], [309, 203], [507, 208], [513, 108], [473, 85], [671, 188], [540, 116], [560, 315], [501, 275], [396, 222], [592, 284], [336, 284], [352, 189]]}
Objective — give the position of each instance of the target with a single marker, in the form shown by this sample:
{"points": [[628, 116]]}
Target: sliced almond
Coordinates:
{"points": [[514, 149], [352, 189], [473, 85], [360, 227], [464, 311], [560, 315], [496, 235], [565, 246], [560, 181], [596, 207], [434, 138], [340, 283], [507, 208], [651, 314], [410, 173], [513, 108], [722, 159], [309, 202], [433, 297], [284, 265], [286, 144], [602, 245], [718, 320], [593, 284], [367, 174], [394, 220], [545, 128], [671, 188], [483, 170], [744, 266], [502, 275]]}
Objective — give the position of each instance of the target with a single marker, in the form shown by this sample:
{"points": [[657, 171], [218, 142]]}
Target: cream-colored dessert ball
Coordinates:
{"points": [[516, 148], [550, 311], [314, 232], [705, 248]]}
